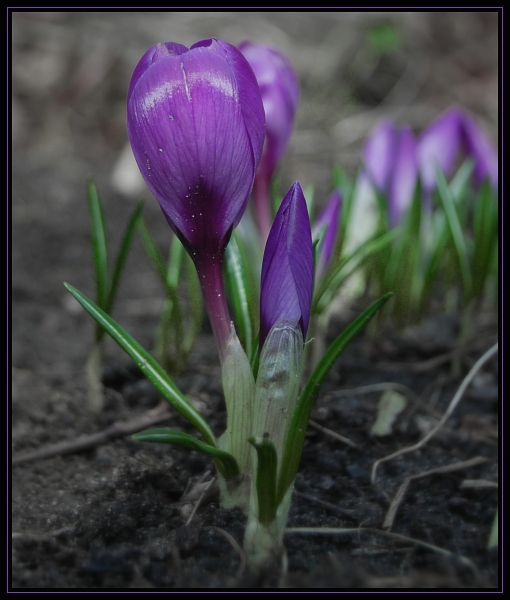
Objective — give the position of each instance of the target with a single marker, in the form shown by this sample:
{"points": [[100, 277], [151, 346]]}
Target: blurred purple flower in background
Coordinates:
{"points": [[443, 141], [329, 219], [390, 163], [393, 159], [279, 89], [196, 126], [287, 267]]}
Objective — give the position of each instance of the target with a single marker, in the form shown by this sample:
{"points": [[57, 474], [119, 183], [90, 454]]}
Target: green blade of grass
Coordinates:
{"points": [[457, 235], [149, 367], [239, 290], [195, 304], [296, 438], [173, 313], [122, 256], [267, 465], [331, 283], [99, 245], [226, 463], [485, 236]]}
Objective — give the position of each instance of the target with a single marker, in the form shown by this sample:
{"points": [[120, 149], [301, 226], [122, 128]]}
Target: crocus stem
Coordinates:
{"points": [[211, 281], [262, 201]]}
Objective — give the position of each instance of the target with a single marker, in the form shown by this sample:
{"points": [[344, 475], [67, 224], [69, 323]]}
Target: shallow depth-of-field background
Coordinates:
{"points": [[76, 519]]}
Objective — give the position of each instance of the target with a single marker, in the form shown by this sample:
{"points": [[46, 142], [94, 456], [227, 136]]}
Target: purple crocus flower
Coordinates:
{"points": [[329, 218], [279, 89], [441, 143], [196, 126], [390, 163], [287, 267], [438, 147], [478, 146]]}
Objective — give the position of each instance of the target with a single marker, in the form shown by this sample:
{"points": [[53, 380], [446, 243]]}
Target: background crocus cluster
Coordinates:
{"points": [[394, 158]]}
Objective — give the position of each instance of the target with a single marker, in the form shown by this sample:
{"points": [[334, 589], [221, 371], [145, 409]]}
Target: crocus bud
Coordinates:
{"points": [[390, 163], [328, 221], [279, 88], [479, 148], [287, 267], [196, 125], [438, 147], [441, 143]]}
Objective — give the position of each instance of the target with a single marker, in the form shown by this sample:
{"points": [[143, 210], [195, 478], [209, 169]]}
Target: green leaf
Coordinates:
{"points": [[99, 245], [433, 256], [153, 251], [459, 185], [149, 367], [485, 236], [228, 464], [402, 272], [348, 265], [308, 193], [172, 319], [195, 304], [295, 441], [237, 280], [457, 235], [267, 465], [122, 256]]}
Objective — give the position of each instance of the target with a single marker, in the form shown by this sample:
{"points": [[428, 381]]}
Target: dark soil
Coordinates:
{"points": [[125, 515]]}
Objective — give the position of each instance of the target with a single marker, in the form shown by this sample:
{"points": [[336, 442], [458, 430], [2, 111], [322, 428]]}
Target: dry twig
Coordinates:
{"points": [[85, 442], [458, 395], [399, 496], [332, 433]]}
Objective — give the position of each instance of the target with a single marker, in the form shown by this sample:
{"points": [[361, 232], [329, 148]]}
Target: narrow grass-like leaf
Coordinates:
{"points": [[122, 256], [457, 235], [172, 317], [309, 194], [460, 183], [239, 291], [149, 367], [195, 304], [485, 236], [348, 265], [403, 269], [267, 466], [227, 463], [296, 438], [99, 245], [433, 257], [174, 268], [152, 250]]}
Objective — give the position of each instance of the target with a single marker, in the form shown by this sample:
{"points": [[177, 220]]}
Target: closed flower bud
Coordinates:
{"points": [[196, 126], [329, 221], [287, 267], [454, 133], [390, 163]]}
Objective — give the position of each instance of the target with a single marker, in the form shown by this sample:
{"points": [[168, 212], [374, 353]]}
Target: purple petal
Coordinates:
{"points": [[287, 267], [330, 216], [195, 122], [438, 147], [404, 176], [379, 154], [279, 88], [480, 149]]}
